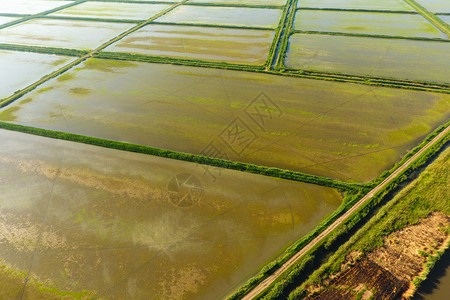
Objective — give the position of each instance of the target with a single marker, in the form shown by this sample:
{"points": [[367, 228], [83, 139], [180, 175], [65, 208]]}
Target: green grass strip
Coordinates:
{"points": [[176, 61], [279, 63], [281, 287], [45, 50], [239, 5], [88, 19], [366, 35], [216, 162], [360, 10], [392, 217], [214, 25], [441, 25], [273, 51]]}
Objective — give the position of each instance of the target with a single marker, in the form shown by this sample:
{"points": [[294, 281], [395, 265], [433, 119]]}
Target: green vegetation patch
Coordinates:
{"points": [[197, 42], [112, 10], [394, 5], [257, 17], [406, 25], [308, 130], [370, 56], [425, 195], [68, 34]]}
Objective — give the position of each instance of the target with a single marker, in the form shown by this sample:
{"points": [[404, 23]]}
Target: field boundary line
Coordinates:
{"points": [[35, 16], [188, 157], [368, 35], [261, 287], [410, 12], [8, 100], [430, 17]]}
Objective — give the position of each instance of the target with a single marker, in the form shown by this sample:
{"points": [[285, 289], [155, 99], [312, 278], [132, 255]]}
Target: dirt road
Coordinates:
{"points": [[269, 280]]}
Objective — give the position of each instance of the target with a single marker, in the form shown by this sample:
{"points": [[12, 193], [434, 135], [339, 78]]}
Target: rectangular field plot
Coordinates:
{"points": [[20, 69], [29, 6], [387, 5], [113, 10], [217, 44], [444, 18], [277, 121], [96, 223], [62, 33], [4, 20], [406, 25], [234, 16], [243, 2], [402, 59], [436, 6]]}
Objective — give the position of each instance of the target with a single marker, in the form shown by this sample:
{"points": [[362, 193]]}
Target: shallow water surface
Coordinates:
{"points": [[92, 222], [406, 25], [113, 10], [20, 69], [62, 33], [216, 44], [436, 6], [29, 6], [235, 16], [401, 59], [276, 121]]}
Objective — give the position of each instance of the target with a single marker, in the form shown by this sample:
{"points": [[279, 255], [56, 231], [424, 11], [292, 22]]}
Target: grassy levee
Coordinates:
{"points": [[441, 25], [391, 218], [370, 80], [13, 15], [45, 50], [281, 288], [211, 161], [380, 36], [88, 19], [234, 5], [432, 261], [6, 101], [215, 26], [177, 61], [278, 34], [413, 151], [29, 17], [360, 10], [349, 200], [279, 62]]}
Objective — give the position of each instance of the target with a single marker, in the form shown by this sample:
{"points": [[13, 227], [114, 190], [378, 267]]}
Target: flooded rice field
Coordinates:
{"points": [[62, 33], [242, 16], [28, 68], [4, 20], [394, 5], [242, 2], [29, 7], [216, 44], [445, 18], [370, 56], [88, 222], [112, 10], [278, 121], [407, 25], [436, 6]]}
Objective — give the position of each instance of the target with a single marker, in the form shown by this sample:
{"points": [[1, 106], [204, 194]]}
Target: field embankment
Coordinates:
{"points": [[404, 239]]}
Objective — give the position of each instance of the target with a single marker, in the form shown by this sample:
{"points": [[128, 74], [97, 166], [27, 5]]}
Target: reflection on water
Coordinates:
{"points": [[437, 286], [118, 225], [290, 123]]}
